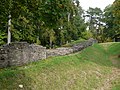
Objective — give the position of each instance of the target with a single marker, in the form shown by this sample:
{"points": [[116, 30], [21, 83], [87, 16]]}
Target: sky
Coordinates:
{"points": [[95, 3]]}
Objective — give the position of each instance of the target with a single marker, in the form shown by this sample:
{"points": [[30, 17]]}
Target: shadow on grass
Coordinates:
{"points": [[12, 78]]}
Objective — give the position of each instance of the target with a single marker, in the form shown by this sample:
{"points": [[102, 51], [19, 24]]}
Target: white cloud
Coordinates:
{"points": [[95, 3]]}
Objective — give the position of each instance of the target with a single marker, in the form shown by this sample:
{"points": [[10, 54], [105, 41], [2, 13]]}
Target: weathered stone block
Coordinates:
{"points": [[20, 53]]}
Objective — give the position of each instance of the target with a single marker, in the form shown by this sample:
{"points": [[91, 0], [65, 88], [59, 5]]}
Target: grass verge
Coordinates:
{"points": [[85, 70]]}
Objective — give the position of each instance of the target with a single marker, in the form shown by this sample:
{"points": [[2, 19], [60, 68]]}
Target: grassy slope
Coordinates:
{"points": [[114, 51], [85, 70], [74, 42]]}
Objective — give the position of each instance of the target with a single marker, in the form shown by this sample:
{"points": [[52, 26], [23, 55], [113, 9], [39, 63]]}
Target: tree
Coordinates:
{"points": [[46, 22], [108, 20], [116, 15], [95, 22], [112, 20], [4, 13]]}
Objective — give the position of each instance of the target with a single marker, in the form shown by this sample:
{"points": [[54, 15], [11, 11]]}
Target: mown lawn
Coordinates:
{"points": [[85, 70]]}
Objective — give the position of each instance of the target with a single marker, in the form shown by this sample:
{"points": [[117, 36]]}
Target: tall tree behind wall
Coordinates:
{"points": [[42, 21], [112, 20], [94, 23], [116, 14], [108, 20], [4, 13]]}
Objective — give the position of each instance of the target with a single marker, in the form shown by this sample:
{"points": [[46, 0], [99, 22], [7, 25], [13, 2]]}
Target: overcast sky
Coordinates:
{"points": [[95, 3]]}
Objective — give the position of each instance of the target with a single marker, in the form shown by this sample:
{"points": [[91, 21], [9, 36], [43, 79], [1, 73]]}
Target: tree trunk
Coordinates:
{"points": [[50, 43], [68, 17], [9, 30]]}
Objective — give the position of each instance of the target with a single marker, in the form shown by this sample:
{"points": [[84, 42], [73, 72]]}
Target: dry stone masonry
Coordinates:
{"points": [[20, 53], [15, 54], [82, 45], [59, 51], [68, 50]]}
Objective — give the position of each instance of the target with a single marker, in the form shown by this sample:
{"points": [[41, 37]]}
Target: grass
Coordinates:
{"points": [[116, 84], [74, 42], [85, 70]]}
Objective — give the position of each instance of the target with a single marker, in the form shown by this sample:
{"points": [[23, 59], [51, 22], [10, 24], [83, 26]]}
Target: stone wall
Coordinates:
{"points": [[67, 50], [3, 58], [20, 53], [82, 45], [59, 51]]}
